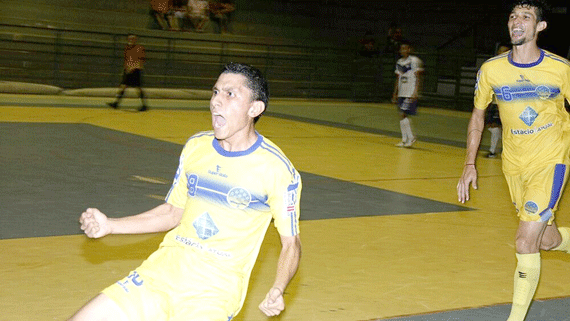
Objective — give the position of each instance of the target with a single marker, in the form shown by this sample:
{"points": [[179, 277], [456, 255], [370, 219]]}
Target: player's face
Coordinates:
{"points": [[131, 40], [231, 105], [523, 25], [405, 50]]}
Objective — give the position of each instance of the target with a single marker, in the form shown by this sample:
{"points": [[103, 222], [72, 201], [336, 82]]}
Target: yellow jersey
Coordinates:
{"points": [[531, 106], [229, 200]]}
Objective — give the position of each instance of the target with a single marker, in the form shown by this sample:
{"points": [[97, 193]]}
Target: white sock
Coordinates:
{"points": [[495, 137], [403, 130], [408, 128]]}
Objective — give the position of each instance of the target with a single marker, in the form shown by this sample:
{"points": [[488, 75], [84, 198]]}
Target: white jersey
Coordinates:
{"points": [[406, 69]]}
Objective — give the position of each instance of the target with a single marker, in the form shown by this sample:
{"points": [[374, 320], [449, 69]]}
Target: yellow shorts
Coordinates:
{"points": [[535, 193], [142, 299]]}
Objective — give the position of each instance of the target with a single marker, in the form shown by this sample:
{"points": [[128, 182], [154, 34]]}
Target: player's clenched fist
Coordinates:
{"points": [[273, 303], [94, 223]]}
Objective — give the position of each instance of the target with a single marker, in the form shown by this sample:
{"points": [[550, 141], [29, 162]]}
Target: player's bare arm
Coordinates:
{"points": [[287, 266], [469, 175], [395, 94], [162, 218]]}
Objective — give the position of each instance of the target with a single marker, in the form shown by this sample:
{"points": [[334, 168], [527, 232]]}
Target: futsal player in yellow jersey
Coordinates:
{"points": [[530, 86], [230, 183]]}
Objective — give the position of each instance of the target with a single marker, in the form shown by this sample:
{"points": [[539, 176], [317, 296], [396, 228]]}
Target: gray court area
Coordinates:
{"points": [[52, 172], [544, 310]]}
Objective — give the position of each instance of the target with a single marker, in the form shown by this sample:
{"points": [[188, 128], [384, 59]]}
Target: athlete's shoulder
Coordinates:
{"points": [[200, 137], [418, 62], [416, 58], [274, 153], [501, 59], [556, 59]]}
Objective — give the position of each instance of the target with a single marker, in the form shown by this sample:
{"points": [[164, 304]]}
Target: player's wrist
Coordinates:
{"points": [[280, 289]]}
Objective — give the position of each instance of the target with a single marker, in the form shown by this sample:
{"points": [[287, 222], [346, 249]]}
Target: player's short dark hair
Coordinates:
{"points": [[255, 81], [406, 42], [542, 8]]}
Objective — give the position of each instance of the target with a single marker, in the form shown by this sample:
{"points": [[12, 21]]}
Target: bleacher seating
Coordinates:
{"points": [[79, 44]]}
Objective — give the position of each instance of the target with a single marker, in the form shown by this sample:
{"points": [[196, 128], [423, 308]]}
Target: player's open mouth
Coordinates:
{"points": [[517, 32], [219, 120]]}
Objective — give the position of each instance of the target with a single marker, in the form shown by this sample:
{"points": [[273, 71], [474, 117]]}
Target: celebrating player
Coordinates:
{"points": [[230, 184], [530, 85]]}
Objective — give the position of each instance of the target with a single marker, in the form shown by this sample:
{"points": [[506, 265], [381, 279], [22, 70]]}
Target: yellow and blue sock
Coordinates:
{"points": [[527, 275]]}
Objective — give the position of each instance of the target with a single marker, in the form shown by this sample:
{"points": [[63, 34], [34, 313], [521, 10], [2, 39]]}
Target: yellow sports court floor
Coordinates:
{"points": [[367, 253]]}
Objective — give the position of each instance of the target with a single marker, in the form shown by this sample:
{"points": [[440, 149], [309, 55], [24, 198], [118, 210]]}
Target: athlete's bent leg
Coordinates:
{"points": [[564, 244], [100, 308], [551, 238]]}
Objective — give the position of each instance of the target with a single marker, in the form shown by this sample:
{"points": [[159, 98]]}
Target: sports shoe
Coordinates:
{"points": [[491, 155], [410, 143], [143, 108], [113, 105], [400, 144]]}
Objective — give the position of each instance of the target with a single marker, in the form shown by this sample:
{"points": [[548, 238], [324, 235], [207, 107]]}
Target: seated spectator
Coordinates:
{"points": [[394, 40], [198, 14], [177, 15], [159, 10], [367, 46], [220, 12]]}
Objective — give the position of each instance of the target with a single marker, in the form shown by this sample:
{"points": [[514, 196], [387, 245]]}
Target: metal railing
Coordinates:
{"points": [[85, 59]]}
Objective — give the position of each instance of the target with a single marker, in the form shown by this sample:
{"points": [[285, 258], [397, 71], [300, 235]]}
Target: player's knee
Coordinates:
{"points": [[525, 245]]}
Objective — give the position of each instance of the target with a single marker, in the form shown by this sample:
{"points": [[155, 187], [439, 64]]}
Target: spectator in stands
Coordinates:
{"points": [[132, 71], [367, 46], [394, 40], [220, 12], [198, 14], [159, 10], [177, 15]]}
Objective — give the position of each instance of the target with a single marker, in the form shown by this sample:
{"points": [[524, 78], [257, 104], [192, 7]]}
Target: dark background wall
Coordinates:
{"points": [[457, 26]]}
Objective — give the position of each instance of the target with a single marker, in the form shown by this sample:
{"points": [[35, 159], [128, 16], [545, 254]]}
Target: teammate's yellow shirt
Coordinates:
{"points": [[531, 106], [229, 200]]}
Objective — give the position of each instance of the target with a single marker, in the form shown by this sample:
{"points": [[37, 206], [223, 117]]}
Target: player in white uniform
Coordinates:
{"points": [[407, 88], [230, 184]]}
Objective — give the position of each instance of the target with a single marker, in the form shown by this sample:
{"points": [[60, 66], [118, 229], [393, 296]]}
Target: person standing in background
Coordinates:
{"points": [[409, 70], [134, 59], [493, 119]]}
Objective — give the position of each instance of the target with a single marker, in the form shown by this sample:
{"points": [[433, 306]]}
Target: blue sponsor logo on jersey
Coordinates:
{"points": [[542, 92], [205, 226], [134, 278], [239, 197], [192, 184], [528, 116], [531, 207], [526, 91], [217, 172]]}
